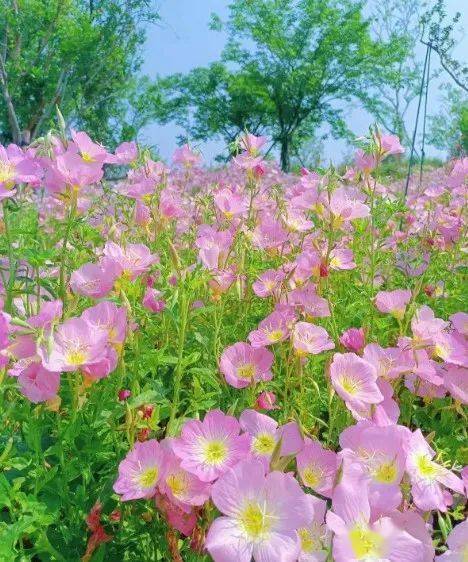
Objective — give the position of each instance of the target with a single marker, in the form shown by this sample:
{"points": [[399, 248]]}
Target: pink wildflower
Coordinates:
{"points": [[38, 384], [260, 515], [151, 300], [309, 338], [317, 467], [355, 381], [353, 339], [273, 329], [141, 471], [393, 302], [266, 401], [211, 447], [243, 364]]}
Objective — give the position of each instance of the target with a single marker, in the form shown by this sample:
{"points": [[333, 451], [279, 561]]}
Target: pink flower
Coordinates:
{"points": [[75, 344], [309, 302], [427, 477], [353, 339], [451, 348], [380, 451], [15, 167], [317, 467], [364, 161], [182, 487], [151, 301], [457, 541], [109, 317], [242, 364], [38, 384], [186, 156], [459, 321], [390, 144], [265, 435], [314, 537], [456, 382], [230, 203], [269, 233], [93, 280], [89, 151], [141, 471], [393, 302], [260, 515], [252, 144], [387, 361], [125, 153], [426, 326], [309, 338], [50, 312], [345, 205], [273, 329], [357, 536], [182, 520], [341, 258], [266, 401], [355, 381], [133, 260], [210, 448], [268, 283]]}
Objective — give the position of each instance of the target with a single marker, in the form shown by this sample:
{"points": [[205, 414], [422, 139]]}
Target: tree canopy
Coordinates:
{"points": [[285, 64], [82, 55]]}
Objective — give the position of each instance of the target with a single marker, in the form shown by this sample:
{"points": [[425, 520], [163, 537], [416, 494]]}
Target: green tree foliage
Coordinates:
{"points": [[285, 65], [391, 88], [82, 55], [449, 128]]}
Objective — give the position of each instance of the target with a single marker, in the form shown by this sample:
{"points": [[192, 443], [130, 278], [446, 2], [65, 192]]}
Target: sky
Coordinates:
{"points": [[182, 41]]}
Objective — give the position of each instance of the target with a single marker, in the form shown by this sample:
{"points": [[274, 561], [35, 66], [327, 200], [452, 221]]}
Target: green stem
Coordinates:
{"points": [[63, 256], [184, 309], [11, 260]]}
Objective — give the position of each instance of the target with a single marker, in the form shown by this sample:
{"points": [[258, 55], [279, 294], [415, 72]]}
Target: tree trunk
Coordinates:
{"points": [[284, 159], [15, 130]]}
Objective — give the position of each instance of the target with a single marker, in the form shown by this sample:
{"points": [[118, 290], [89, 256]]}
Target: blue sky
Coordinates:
{"points": [[183, 41]]}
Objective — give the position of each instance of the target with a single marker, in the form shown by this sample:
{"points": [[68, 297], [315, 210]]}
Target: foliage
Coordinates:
{"points": [[78, 54], [285, 64]]}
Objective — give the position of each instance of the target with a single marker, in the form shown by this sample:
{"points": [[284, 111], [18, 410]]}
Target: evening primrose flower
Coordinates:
{"points": [[209, 448], [309, 338], [273, 329], [38, 384], [355, 381], [380, 451], [260, 515], [427, 477], [357, 536], [317, 467], [315, 537], [75, 344], [393, 302], [141, 471], [265, 434], [457, 543], [242, 364]]}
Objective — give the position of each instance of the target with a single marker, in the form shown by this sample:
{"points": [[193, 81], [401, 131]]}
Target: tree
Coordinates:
{"points": [[212, 103], [79, 54], [438, 34], [448, 130], [285, 65], [391, 88]]}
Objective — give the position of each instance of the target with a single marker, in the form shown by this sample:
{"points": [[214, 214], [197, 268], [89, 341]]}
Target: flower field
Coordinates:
{"points": [[230, 364]]}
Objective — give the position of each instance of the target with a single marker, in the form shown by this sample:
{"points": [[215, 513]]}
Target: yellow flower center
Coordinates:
{"points": [[215, 452], [312, 475], [365, 542], [386, 472], [275, 335], [178, 483], [264, 444], [76, 358], [335, 262], [350, 385], [426, 467], [398, 313], [149, 477], [308, 543], [254, 521], [86, 156], [7, 172], [246, 371], [228, 214]]}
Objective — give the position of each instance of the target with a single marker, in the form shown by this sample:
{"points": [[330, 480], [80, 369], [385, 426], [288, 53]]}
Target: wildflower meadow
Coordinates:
{"points": [[232, 363]]}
